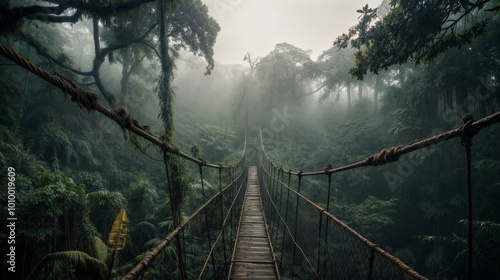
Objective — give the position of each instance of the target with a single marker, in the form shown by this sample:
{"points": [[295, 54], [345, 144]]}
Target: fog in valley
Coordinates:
{"points": [[130, 131]]}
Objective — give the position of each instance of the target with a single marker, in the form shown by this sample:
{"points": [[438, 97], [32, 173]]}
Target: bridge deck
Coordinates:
{"points": [[253, 256]]}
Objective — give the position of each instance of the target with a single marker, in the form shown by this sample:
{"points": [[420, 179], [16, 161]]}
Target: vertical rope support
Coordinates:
{"points": [[286, 219], [275, 194], [184, 255], [469, 213], [319, 242], [295, 223], [370, 267], [466, 139], [233, 191], [175, 219], [327, 210], [206, 221], [222, 221], [269, 210], [280, 181]]}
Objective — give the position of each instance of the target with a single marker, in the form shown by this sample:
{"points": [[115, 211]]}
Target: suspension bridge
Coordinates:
{"points": [[259, 224]]}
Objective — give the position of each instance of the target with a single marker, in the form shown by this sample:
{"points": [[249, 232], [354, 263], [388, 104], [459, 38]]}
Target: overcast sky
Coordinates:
{"points": [[256, 26]]}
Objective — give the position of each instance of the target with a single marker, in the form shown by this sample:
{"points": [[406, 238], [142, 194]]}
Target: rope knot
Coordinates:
{"points": [[328, 168], [124, 117], [385, 156], [92, 101], [164, 146], [466, 132]]}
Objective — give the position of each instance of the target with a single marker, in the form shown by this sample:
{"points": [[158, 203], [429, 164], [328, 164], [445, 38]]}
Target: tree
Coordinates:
{"points": [[414, 30], [334, 66], [62, 11], [282, 75], [189, 27], [80, 265], [282, 79], [68, 264], [371, 216]]}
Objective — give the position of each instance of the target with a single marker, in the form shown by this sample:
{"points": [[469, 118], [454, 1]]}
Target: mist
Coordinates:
{"points": [[361, 127]]}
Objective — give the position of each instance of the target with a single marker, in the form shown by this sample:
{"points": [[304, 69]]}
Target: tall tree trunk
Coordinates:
{"points": [[348, 96], [401, 75], [376, 93], [360, 91], [98, 60], [165, 91], [125, 76], [174, 165]]}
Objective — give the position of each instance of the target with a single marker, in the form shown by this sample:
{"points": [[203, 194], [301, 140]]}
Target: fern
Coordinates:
{"points": [[99, 249], [105, 197], [82, 264], [8, 145], [486, 226]]}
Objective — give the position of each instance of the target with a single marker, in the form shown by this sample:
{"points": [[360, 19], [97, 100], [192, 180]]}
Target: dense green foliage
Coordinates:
{"points": [[414, 208], [414, 30], [75, 170]]}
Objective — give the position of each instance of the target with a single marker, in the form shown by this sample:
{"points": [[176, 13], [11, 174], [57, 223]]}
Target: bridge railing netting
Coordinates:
{"points": [[311, 243], [200, 246]]}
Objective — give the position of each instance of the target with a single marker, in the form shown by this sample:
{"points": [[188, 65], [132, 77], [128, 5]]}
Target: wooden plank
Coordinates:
{"points": [[253, 257]]}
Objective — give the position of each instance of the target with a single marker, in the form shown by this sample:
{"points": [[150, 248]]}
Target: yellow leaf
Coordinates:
{"points": [[118, 235]]}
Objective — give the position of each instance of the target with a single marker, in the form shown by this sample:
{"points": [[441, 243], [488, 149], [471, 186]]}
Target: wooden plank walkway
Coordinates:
{"points": [[253, 256]]}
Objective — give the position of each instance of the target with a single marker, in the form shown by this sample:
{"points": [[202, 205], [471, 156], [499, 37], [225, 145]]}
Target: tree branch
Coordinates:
{"points": [[12, 17], [43, 52], [57, 19], [111, 48], [314, 91]]}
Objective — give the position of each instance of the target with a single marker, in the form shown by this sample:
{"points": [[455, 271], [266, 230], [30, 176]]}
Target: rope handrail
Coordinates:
{"points": [[90, 101], [139, 268], [351, 231], [286, 225], [466, 132], [226, 218], [394, 153]]}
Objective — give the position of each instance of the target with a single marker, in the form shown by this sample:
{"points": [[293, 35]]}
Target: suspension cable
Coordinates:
{"points": [[292, 235], [206, 220], [146, 261], [90, 101], [226, 218], [393, 154]]}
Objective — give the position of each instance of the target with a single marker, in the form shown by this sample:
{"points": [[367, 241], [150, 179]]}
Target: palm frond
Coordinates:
{"points": [[83, 265], [99, 248], [486, 226], [118, 235]]}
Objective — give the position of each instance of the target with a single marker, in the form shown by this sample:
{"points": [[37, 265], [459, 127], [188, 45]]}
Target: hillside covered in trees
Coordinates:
{"points": [[408, 70]]}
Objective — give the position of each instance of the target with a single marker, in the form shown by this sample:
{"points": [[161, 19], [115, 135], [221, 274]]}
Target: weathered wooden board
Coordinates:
{"points": [[253, 257]]}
